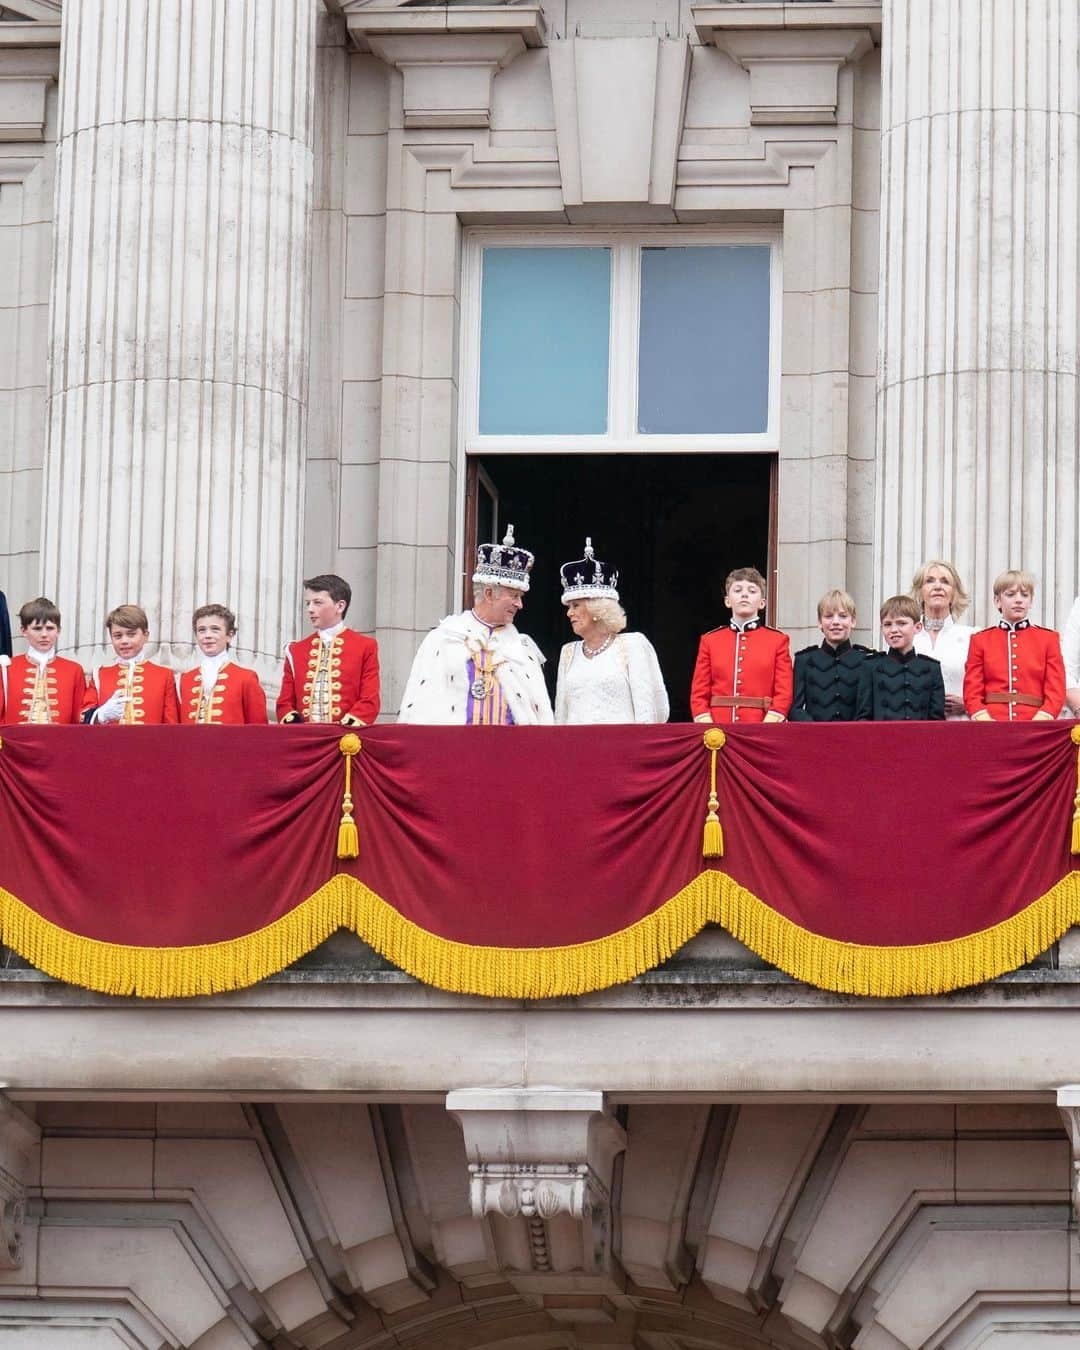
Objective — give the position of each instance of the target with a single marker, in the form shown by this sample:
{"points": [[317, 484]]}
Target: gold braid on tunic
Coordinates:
{"points": [[130, 684], [206, 700], [40, 711], [322, 688]]}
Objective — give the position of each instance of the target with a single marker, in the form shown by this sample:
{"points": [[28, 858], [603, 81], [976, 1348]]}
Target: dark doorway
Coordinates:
{"points": [[674, 525]]}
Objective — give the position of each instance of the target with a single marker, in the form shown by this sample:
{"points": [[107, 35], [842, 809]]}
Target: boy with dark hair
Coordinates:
{"points": [[1015, 671], [41, 688], [134, 692], [827, 676], [900, 685], [218, 692], [743, 670], [332, 676]]}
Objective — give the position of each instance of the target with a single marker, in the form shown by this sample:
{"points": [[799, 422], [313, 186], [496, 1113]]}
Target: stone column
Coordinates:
{"points": [[977, 382], [178, 372]]}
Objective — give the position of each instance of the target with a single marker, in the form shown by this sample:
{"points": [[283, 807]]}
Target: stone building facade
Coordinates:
{"points": [[269, 270]]}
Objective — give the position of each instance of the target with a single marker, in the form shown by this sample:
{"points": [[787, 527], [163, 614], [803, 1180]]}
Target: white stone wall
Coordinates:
{"points": [[862, 381], [980, 325], [349, 234], [410, 185], [27, 158]]}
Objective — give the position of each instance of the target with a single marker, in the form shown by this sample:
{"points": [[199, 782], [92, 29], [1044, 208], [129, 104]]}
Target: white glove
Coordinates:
{"points": [[111, 710]]}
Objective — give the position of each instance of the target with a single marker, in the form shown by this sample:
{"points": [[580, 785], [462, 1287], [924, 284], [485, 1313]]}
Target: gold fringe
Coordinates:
{"points": [[543, 972], [174, 972], [1075, 736]]}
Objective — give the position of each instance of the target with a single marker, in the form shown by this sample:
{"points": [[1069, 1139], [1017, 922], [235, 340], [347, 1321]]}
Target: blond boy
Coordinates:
{"points": [[827, 675], [1015, 671]]}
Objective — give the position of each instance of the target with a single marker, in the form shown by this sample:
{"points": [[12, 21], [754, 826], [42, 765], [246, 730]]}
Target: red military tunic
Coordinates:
{"points": [[754, 665], [350, 680], [153, 694], [1014, 673], [63, 692], [235, 699]]}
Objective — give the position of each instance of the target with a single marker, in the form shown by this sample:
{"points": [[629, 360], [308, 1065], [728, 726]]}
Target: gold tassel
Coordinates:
{"points": [[712, 844], [1075, 734], [348, 841]]}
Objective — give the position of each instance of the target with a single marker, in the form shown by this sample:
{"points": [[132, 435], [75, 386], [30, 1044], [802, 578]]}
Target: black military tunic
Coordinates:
{"points": [[901, 687], [827, 682]]}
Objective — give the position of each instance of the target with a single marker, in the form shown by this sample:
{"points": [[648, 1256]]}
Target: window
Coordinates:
{"points": [[544, 341], [610, 341]]}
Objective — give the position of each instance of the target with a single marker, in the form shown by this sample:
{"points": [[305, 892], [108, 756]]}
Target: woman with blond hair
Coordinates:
{"points": [[607, 675], [940, 594]]}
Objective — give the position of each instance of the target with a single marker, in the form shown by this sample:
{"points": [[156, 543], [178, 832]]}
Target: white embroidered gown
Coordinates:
{"points": [[621, 684]]}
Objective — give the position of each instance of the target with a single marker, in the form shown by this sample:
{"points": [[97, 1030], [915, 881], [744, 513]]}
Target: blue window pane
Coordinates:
{"points": [[703, 365], [544, 341]]}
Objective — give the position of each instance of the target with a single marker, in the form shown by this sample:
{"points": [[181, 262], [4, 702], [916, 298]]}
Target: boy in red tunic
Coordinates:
{"points": [[332, 676], [743, 670], [135, 692], [41, 688], [1014, 671], [217, 692]]}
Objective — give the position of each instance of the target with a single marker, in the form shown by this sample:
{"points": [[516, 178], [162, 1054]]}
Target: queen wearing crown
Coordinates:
{"points": [[475, 668], [608, 675]]}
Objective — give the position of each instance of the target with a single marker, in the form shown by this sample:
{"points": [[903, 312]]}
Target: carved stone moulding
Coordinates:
{"points": [[19, 1138], [448, 56], [792, 53], [1068, 1100], [543, 1157], [619, 108], [22, 106]]}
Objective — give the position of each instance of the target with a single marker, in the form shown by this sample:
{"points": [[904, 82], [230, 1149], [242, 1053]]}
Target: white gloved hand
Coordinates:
{"points": [[111, 710]]}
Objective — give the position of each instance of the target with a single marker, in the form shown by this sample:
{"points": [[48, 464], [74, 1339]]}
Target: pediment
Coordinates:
{"points": [[29, 23], [34, 11]]}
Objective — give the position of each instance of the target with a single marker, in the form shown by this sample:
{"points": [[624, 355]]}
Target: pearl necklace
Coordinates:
{"points": [[933, 625], [590, 652]]}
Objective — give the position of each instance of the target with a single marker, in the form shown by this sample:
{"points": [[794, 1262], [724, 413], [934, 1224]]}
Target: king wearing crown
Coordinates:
{"points": [[475, 668]]}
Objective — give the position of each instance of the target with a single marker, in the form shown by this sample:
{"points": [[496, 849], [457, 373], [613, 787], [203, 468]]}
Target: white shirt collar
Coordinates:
{"points": [[40, 658], [329, 634], [210, 666], [130, 660]]}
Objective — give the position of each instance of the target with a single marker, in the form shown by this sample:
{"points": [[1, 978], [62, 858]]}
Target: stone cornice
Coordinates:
{"points": [[17, 35], [384, 20], [711, 19]]}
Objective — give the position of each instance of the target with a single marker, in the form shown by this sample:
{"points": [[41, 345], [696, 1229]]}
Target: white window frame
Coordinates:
{"points": [[622, 435]]}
